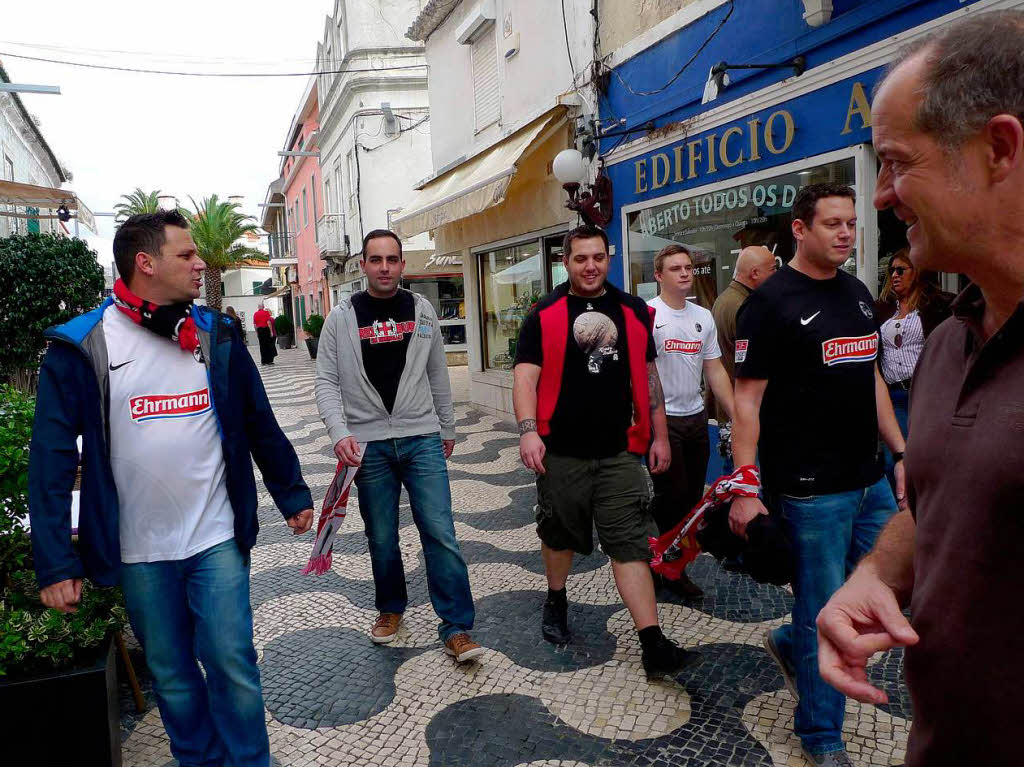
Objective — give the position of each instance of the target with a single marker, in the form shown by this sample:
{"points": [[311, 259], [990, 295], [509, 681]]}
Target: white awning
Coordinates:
{"points": [[32, 196], [475, 185]]}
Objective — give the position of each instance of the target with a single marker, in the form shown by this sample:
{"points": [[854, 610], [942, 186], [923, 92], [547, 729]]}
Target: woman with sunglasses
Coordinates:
{"points": [[910, 307]]}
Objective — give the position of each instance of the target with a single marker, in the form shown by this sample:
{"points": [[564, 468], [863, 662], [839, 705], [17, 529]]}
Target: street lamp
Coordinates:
{"points": [[167, 202], [594, 205]]}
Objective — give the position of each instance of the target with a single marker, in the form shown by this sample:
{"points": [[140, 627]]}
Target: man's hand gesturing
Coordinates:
{"points": [[861, 619]]}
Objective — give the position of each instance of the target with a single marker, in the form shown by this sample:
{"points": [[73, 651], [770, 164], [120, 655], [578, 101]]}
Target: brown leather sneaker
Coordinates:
{"points": [[385, 628], [462, 648]]}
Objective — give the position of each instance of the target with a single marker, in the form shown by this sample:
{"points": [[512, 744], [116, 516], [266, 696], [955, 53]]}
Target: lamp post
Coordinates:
{"points": [[167, 202], [593, 205]]}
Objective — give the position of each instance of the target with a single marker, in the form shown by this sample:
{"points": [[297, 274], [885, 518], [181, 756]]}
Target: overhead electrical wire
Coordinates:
{"points": [[676, 76], [139, 70]]}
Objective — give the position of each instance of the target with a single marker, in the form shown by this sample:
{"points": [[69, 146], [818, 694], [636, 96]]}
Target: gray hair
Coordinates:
{"points": [[974, 70]]}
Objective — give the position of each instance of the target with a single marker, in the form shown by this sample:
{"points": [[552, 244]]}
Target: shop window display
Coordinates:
{"points": [[718, 224], [511, 282], [447, 294]]}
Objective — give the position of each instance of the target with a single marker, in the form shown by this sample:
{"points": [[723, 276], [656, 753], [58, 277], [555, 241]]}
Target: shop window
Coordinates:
{"points": [[511, 282], [718, 224], [448, 297]]}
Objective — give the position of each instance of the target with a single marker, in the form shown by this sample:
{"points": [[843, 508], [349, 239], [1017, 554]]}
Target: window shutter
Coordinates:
{"points": [[486, 102]]}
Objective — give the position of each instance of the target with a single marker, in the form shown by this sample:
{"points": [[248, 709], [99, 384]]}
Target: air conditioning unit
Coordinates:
{"points": [[476, 22]]}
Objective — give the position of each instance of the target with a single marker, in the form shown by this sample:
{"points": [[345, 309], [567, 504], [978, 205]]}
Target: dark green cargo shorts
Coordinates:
{"points": [[612, 494]]}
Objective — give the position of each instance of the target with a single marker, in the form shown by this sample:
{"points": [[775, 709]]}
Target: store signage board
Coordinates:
{"points": [[836, 116]]}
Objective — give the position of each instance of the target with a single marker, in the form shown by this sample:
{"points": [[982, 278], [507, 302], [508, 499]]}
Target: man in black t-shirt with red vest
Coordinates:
{"points": [[587, 398], [811, 403]]}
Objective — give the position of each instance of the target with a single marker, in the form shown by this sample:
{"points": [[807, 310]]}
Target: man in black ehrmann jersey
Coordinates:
{"points": [[811, 403]]}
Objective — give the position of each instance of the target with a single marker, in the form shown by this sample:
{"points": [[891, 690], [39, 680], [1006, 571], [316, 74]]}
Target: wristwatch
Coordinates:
{"points": [[897, 457]]}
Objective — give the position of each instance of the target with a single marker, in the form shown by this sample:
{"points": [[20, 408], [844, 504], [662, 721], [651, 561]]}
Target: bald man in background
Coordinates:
{"points": [[754, 265]]}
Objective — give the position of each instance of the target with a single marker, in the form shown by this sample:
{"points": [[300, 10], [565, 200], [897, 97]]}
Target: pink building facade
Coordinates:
{"points": [[302, 190]]}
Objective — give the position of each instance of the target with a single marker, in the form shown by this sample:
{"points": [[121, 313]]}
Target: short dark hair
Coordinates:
{"points": [[376, 233], [585, 232], [674, 249], [807, 198], [143, 233], [974, 70]]}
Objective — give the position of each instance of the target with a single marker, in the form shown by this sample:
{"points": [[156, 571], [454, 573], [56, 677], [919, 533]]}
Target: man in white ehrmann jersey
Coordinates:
{"points": [[687, 345]]}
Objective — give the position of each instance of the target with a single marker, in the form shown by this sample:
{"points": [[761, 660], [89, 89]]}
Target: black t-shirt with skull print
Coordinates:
{"points": [[595, 401]]}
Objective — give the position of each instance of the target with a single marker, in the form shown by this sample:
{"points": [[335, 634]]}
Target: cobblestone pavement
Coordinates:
{"points": [[332, 697]]}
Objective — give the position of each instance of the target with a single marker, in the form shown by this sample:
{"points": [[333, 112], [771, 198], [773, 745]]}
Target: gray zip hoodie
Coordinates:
{"points": [[349, 404]]}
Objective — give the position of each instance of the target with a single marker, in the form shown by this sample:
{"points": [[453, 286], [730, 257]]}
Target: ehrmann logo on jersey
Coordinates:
{"points": [[835, 351], [149, 407], [675, 346]]}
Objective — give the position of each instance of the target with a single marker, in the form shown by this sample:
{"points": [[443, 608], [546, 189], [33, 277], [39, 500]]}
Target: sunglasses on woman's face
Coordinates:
{"points": [[899, 270]]}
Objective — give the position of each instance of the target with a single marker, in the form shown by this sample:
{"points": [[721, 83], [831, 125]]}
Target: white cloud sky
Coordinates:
{"points": [[184, 135]]}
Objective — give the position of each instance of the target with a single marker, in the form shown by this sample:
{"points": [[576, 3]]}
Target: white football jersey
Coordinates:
{"points": [[684, 339]]}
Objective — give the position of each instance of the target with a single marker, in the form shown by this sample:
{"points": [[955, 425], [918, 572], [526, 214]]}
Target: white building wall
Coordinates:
{"points": [[531, 80], [18, 143], [238, 293], [370, 35]]}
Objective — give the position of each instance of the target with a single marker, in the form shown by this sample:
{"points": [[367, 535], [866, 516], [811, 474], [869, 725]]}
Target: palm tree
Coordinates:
{"points": [[216, 228], [136, 202]]}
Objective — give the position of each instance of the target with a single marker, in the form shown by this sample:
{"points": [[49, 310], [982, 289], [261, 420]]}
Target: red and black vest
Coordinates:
{"points": [[553, 314]]}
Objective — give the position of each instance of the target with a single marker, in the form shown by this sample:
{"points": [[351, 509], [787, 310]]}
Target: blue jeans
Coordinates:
{"points": [[901, 405], [419, 464], [830, 534], [198, 609]]}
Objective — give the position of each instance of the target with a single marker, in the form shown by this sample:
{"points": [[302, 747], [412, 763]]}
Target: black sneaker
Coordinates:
{"points": [[555, 623], [683, 587], [664, 658]]}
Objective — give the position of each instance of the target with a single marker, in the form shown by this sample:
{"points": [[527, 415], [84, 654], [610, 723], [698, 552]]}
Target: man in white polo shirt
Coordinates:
{"points": [[687, 345]]}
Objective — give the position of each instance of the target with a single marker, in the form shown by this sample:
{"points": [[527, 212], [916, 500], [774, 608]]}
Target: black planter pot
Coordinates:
{"points": [[312, 344], [286, 342], [89, 733]]}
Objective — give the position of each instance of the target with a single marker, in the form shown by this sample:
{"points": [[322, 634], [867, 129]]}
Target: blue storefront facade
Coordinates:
{"points": [[722, 175]]}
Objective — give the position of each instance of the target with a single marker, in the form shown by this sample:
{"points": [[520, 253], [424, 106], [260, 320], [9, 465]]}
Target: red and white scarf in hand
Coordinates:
{"points": [[332, 517], [173, 321], [673, 551]]}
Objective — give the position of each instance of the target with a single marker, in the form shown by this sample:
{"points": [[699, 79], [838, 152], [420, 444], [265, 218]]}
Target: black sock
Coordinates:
{"points": [[559, 597], [650, 635]]}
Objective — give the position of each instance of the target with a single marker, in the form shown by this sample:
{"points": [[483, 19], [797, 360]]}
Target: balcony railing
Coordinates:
{"points": [[330, 235], [282, 246]]}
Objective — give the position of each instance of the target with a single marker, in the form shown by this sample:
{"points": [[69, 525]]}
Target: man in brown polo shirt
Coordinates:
{"points": [[948, 129], [754, 265]]}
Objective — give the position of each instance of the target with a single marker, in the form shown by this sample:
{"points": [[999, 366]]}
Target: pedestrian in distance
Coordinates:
{"points": [[948, 126], [909, 308], [810, 403], [172, 414], [587, 399], [264, 324], [236, 321], [686, 342], [383, 391]]}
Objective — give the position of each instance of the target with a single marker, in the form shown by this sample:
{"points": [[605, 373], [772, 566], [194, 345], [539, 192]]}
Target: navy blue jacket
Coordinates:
{"points": [[74, 399]]}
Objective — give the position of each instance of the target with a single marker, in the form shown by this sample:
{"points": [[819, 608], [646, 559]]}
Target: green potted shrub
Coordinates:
{"points": [[47, 280], [313, 325], [285, 331], [45, 655]]}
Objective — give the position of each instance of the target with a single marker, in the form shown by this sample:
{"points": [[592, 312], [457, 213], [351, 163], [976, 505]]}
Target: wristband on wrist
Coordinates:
{"points": [[897, 456]]}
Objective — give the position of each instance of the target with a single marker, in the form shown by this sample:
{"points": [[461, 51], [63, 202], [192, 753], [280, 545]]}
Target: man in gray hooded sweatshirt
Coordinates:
{"points": [[383, 391]]}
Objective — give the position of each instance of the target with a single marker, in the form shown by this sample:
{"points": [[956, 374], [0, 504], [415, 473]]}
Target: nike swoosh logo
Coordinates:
{"points": [[659, 327], [115, 367], [808, 320]]}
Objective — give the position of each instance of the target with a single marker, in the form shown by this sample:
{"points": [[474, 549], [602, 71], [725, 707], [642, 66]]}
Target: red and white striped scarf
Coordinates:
{"points": [[673, 551]]}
